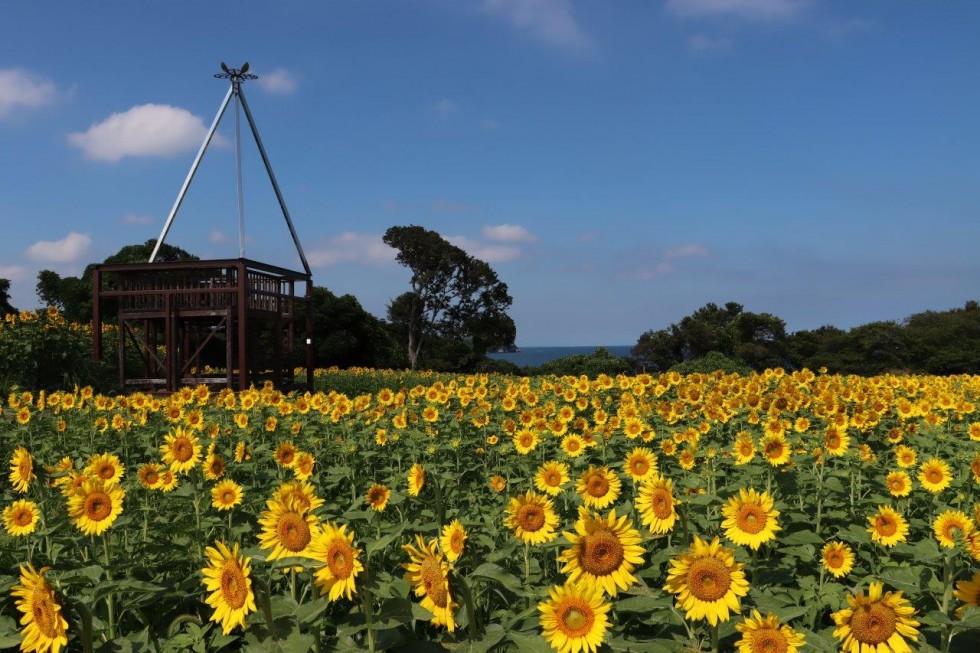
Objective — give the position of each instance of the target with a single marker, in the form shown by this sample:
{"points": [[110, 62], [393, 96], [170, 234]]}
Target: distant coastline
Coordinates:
{"points": [[534, 356]]}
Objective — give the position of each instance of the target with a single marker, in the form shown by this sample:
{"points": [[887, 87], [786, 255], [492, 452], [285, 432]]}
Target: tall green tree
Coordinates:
{"points": [[346, 335], [453, 296], [5, 306]]}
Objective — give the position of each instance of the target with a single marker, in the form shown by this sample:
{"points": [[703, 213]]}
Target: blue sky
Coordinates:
{"points": [[618, 163]]}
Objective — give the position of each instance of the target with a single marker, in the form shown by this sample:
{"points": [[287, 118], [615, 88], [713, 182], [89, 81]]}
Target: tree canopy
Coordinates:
{"points": [[454, 296], [5, 306]]}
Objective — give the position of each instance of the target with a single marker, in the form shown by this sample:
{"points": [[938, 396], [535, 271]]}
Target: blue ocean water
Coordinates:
{"points": [[534, 356]]}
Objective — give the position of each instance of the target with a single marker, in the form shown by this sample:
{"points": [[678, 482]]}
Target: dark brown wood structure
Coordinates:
{"points": [[171, 314]]}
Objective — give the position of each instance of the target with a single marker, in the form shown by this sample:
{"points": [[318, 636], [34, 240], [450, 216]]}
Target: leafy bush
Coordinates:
{"points": [[601, 361], [712, 362]]}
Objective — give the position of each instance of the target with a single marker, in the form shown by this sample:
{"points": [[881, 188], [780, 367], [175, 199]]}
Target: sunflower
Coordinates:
{"points": [[181, 450], [377, 497], [604, 551], [285, 453], [775, 449], [550, 477], [416, 479], [836, 441], [640, 464], [968, 591], [21, 469], [876, 622], [214, 467], [226, 494], [95, 506], [949, 525], [934, 475], [149, 475], [525, 440], [452, 540], [899, 483], [743, 449], [59, 471], [532, 517], [905, 456], [498, 483], [655, 504], [573, 445], [21, 517], [707, 581], [750, 519], [168, 481], [334, 547], [764, 635], [303, 465], [227, 578], [838, 559], [300, 492], [598, 487], [105, 466], [44, 627], [575, 617], [286, 529], [888, 528], [430, 574]]}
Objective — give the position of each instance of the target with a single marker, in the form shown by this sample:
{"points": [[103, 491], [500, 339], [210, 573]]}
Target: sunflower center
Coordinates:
{"points": [[576, 620], [98, 506], [24, 517], [456, 542], [751, 519], [106, 471], [873, 623], [228, 497], [152, 477], [708, 579], [639, 466], [430, 572], [530, 517], [834, 559], [662, 503], [769, 640], [552, 478], [602, 553], [43, 612], [934, 476], [774, 450], [340, 559], [597, 485], [526, 441], [294, 532], [182, 450], [885, 525], [746, 449], [572, 445], [234, 587]]}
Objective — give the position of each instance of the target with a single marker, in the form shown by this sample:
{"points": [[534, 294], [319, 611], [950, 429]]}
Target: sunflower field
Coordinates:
{"points": [[775, 512]]}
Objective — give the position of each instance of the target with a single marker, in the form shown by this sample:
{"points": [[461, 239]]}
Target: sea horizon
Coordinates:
{"points": [[532, 356]]}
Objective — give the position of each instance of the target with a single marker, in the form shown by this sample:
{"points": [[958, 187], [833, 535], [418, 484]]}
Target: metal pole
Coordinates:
{"points": [[238, 160], [275, 184], [190, 175]]}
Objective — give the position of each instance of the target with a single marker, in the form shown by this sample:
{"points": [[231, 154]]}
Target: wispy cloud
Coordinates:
{"points": [[445, 108], [704, 44], [351, 247], [654, 264], [444, 206], [12, 272], [848, 27], [144, 130], [278, 82], [508, 233], [646, 272], [132, 218], [490, 253], [20, 88], [769, 10], [217, 236], [489, 124], [548, 21], [589, 236], [686, 251], [67, 250]]}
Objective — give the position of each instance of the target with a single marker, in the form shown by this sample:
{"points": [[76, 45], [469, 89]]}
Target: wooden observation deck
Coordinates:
{"points": [[186, 318]]}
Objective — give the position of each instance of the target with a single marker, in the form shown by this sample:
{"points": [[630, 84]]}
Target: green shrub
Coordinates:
{"points": [[601, 361], [712, 362]]}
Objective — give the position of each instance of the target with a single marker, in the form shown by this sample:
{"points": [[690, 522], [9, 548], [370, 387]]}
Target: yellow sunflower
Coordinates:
{"points": [[416, 479], [285, 453], [532, 517], [899, 483], [876, 622], [888, 528], [300, 492], [181, 450], [286, 529], [377, 497], [21, 469], [836, 441], [655, 503], [573, 445], [750, 519], [21, 517], [640, 464], [226, 494], [707, 581], [168, 481], [303, 465], [525, 441], [149, 475], [550, 477], [227, 578], [968, 591], [242, 452], [453, 539], [599, 487], [59, 471], [775, 449], [214, 467], [603, 551], [905, 456], [743, 450], [838, 559], [498, 483], [429, 573], [95, 506], [45, 629], [334, 547], [934, 475], [950, 525], [767, 635], [575, 617], [105, 466]]}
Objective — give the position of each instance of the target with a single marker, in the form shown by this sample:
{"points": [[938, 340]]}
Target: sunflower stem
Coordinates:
{"points": [[947, 596], [368, 613], [714, 639], [108, 598]]}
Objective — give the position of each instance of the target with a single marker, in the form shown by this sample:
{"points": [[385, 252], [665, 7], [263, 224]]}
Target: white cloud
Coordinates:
{"points": [[68, 249], [445, 108], [19, 88], [484, 252], [747, 9], [549, 21], [12, 272], [278, 82], [350, 247], [218, 236], [132, 218], [145, 130], [692, 250], [704, 44], [508, 233]]}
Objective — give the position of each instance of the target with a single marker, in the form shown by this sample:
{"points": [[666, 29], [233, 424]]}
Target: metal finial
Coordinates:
{"points": [[236, 75]]}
